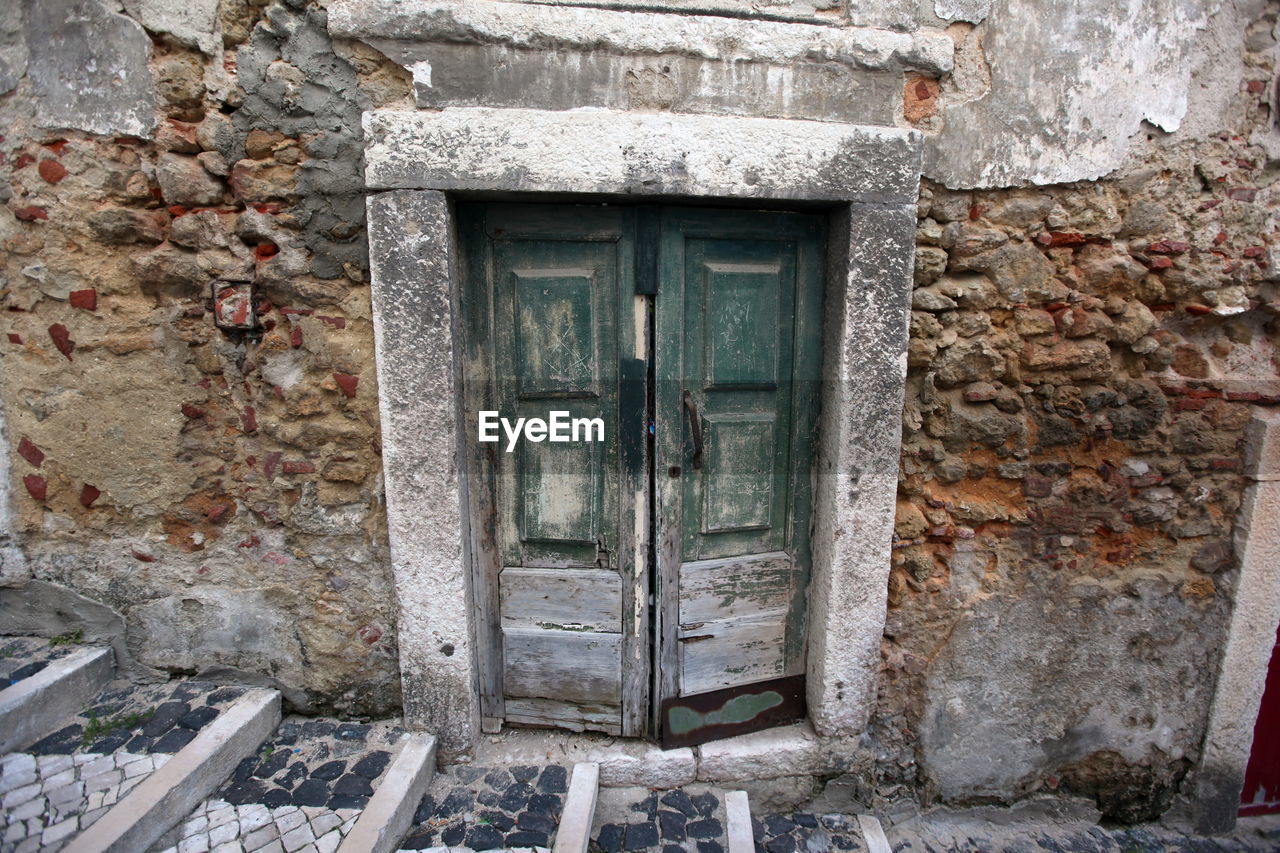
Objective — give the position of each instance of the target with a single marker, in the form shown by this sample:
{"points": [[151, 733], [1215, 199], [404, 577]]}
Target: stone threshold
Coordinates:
{"points": [[794, 750]]}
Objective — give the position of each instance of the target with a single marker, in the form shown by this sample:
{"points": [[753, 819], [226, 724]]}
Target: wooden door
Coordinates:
{"points": [[561, 534], [557, 533], [737, 360]]}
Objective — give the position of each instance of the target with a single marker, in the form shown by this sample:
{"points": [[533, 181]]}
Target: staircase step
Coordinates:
{"points": [[638, 820], [165, 796], [303, 790], [68, 780], [383, 823], [37, 705], [487, 808]]}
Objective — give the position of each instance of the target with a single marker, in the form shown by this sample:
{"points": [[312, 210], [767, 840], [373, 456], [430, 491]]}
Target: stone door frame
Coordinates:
{"points": [[868, 179], [1251, 635]]}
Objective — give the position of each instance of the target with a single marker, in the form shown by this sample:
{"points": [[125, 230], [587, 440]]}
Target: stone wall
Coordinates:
{"points": [[1084, 357], [221, 490]]}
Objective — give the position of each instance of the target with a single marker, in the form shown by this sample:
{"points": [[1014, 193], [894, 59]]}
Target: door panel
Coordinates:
{"points": [[556, 348], [550, 327], [737, 353]]}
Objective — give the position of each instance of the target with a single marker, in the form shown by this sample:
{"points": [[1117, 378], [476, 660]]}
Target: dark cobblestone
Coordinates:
{"points": [[498, 806], [308, 763], [143, 718]]}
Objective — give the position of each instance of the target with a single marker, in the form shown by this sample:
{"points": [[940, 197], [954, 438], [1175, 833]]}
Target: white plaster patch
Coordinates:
{"points": [[421, 72], [1068, 90]]}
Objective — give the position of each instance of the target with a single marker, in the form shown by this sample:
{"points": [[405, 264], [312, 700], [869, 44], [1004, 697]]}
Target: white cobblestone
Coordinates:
{"points": [[59, 832], [329, 842], [261, 837], [296, 839], [253, 817], [290, 820], [197, 842], [322, 823], [224, 832], [215, 826], [61, 795]]}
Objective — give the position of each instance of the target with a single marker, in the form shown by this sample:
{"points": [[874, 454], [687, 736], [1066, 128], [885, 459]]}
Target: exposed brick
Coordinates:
{"points": [[89, 494], [62, 339], [86, 299], [36, 486], [296, 467], [919, 98], [31, 453], [347, 383], [31, 213]]}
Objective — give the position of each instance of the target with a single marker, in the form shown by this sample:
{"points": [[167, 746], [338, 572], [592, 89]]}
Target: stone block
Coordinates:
{"points": [[786, 751], [89, 68]]}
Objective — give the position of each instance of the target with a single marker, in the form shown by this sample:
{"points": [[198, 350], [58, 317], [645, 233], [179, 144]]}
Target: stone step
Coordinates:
{"points": [[383, 823], [67, 780], [691, 819], [35, 705], [490, 807], [305, 789], [157, 803]]}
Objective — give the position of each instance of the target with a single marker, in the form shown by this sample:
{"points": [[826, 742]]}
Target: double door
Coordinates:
{"points": [[642, 569]]}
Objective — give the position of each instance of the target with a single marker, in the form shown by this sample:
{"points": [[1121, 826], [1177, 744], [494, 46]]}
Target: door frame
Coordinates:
{"points": [[867, 180]]}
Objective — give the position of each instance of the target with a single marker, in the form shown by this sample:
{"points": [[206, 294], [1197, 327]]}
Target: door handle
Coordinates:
{"points": [[696, 424]]}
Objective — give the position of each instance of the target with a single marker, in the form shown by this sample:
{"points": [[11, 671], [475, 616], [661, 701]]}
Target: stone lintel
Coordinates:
{"points": [[605, 152]]}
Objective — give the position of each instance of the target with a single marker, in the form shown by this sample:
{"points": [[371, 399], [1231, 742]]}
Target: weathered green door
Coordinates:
{"points": [[707, 394], [562, 586], [737, 364]]}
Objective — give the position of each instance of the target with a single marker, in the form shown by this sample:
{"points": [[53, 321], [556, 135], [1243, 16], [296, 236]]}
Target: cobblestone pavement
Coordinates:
{"points": [[993, 831], [47, 799], [140, 718], [219, 826], [489, 808], [23, 657], [802, 832], [682, 820]]}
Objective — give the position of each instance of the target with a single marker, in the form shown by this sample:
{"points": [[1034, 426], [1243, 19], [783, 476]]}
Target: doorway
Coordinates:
{"points": [[652, 583]]}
